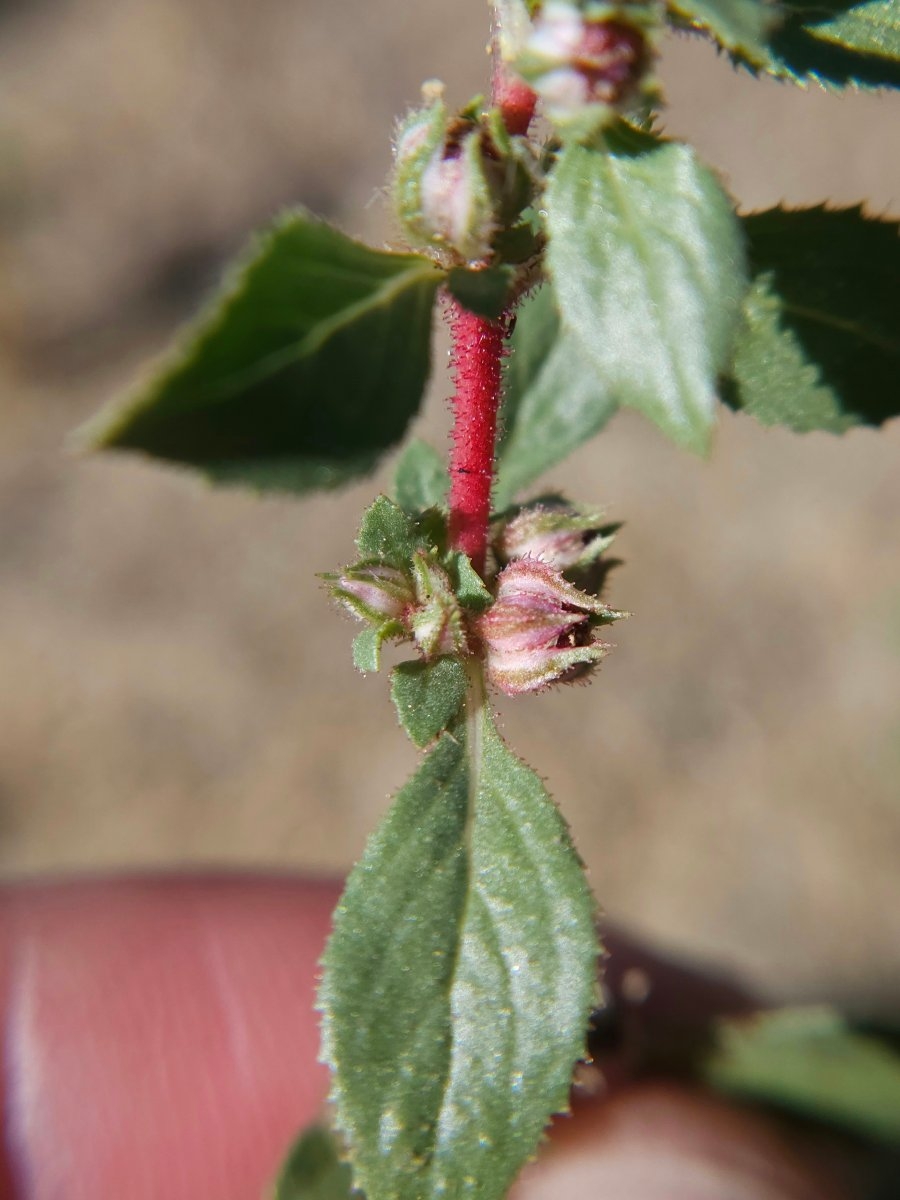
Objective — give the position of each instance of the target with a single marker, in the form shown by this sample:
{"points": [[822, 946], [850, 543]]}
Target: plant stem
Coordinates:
{"points": [[477, 356]]}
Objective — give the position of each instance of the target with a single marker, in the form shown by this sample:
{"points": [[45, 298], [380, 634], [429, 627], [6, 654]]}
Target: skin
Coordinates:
{"points": [[161, 1042]]}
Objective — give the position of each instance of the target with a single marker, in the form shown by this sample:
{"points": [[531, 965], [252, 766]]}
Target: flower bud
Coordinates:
{"points": [[588, 60], [373, 591], [539, 630], [454, 185], [436, 621], [558, 534]]}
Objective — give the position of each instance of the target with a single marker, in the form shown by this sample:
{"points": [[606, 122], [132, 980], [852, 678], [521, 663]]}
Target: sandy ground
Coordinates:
{"points": [[175, 689]]}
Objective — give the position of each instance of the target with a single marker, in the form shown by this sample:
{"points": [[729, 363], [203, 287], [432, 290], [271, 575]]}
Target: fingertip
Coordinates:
{"points": [[161, 1038]]}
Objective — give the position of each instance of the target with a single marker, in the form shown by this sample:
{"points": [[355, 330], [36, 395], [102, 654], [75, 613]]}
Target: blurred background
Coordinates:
{"points": [[174, 686]]}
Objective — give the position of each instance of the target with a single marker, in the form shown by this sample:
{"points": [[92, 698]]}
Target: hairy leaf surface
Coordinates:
{"points": [[428, 696], [301, 374], [820, 345], [647, 259], [460, 975], [314, 1170], [554, 397], [812, 1062]]}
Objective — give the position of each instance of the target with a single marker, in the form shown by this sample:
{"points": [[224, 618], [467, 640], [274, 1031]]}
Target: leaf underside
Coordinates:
{"points": [[820, 347], [459, 977], [554, 397], [646, 256], [305, 369]]}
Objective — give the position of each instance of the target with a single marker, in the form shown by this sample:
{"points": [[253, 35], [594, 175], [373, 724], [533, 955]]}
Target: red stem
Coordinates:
{"points": [[477, 357]]}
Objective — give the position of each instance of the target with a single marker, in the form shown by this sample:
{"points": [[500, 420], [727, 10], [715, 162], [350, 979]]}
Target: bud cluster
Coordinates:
{"points": [[418, 604], [535, 626], [459, 180], [540, 628], [589, 60]]}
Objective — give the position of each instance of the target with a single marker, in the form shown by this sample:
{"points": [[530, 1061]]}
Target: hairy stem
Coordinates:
{"points": [[477, 357]]}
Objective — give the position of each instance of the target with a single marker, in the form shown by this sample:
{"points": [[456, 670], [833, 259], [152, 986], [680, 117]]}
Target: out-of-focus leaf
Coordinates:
{"points": [[739, 25], [812, 1062], [314, 1170], [820, 345], [838, 43], [420, 477]]}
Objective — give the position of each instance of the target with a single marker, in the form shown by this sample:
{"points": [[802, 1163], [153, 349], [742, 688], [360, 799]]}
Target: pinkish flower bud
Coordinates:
{"points": [[374, 591], [557, 534], [584, 61], [539, 630]]}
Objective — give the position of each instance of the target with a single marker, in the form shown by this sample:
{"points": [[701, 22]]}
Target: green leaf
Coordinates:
{"points": [[314, 1171], [459, 977], [420, 478], [428, 696], [301, 374], [820, 346], [485, 292], [838, 44], [554, 398], [739, 25], [811, 1062], [387, 534], [647, 259], [870, 28]]}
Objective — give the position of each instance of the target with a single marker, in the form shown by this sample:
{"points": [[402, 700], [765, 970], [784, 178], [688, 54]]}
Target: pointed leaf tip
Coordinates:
{"points": [[302, 372]]}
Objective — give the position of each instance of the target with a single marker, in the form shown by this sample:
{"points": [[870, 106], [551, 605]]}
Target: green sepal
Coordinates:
{"points": [[314, 1170], [814, 1063], [647, 259], [820, 344], [302, 373], [460, 975], [420, 478], [554, 398], [428, 696]]}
